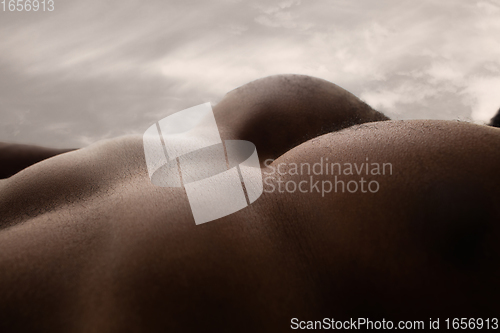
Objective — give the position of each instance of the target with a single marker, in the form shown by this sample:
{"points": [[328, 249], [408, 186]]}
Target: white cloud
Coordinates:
{"points": [[279, 7], [484, 98], [236, 29], [277, 16], [489, 7], [382, 100], [445, 71]]}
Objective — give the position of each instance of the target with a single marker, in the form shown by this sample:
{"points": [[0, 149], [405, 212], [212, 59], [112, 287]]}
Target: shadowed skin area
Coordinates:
{"points": [[16, 157], [495, 121], [277, 113], [87, 243]]}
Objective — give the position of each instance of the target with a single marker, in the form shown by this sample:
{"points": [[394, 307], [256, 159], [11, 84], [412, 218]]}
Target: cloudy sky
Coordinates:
{"points": [[92, 69]]}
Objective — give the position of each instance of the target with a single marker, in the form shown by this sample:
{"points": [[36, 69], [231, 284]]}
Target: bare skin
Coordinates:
{"points": [[16, 157], [87, 243]]}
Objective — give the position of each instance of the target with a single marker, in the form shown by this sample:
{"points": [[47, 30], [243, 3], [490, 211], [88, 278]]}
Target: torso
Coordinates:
{"points": [[87, 243], [114, 252]]}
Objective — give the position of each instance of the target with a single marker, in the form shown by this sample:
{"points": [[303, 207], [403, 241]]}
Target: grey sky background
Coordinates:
{"points": [[92, 69]]}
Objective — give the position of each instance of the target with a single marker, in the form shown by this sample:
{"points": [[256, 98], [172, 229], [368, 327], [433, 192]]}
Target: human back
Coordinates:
{"points": [[88, 243]]}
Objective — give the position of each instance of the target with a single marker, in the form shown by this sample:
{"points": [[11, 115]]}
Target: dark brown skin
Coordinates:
{"points": [[87, 243], [495, 121], [280, 112]]}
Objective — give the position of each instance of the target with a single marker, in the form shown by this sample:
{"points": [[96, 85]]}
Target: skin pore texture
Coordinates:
{"points": [[88, 244]]}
